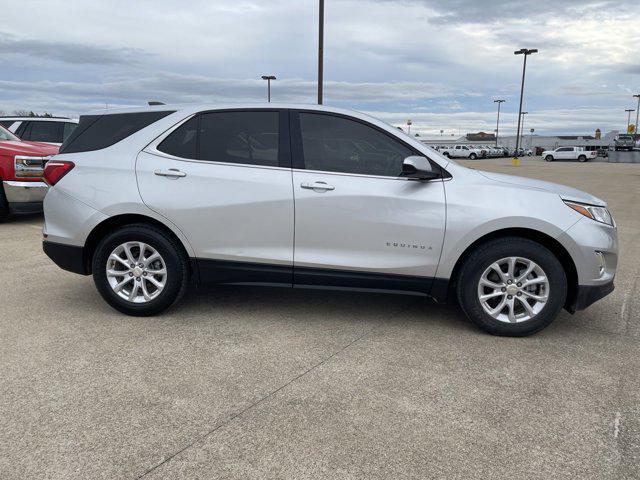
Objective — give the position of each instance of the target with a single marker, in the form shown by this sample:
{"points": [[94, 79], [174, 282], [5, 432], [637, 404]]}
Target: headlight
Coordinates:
{"points": [[599, 214]]}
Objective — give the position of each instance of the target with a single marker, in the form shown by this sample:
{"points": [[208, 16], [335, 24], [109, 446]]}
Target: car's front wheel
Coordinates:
{"points": [[473, 156], [512, 286], [548, 158], [140, 270]]}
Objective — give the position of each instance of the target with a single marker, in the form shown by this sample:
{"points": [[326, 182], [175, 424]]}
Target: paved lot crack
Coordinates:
{"points": [[273, 392]]}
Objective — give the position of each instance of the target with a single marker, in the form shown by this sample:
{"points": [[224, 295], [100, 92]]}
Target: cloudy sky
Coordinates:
{"points": [[439, 62]]}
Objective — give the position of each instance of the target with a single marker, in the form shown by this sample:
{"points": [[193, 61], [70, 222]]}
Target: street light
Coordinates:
{"points": [[526, 53], [637, 110], [499, 101], [320, 49], [268, 78], [629, 110], [521, 133], [531, 138]]}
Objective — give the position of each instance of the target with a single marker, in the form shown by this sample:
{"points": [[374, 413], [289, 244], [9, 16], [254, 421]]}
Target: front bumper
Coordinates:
{"points": [[24, 192], [589, 294]]}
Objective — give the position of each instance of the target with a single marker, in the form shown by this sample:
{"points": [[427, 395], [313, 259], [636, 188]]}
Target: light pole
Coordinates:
{"points": [[637, 110], [320, 49], [531, 139], [526, 53], [521, 132], [629, 110], [268, 78], [499, 101]]}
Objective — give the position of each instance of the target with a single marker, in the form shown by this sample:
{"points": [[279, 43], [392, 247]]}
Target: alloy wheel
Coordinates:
{"points": [[513, 289], [136, 272]]}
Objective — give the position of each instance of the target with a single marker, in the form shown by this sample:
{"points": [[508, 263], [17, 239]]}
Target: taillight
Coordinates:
{"points": [[55, 170]]}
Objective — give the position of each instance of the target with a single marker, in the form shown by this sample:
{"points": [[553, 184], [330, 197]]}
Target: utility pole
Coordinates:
{"points": [[268, 78], [320, 49], [526, 53], [521, 132], [637, 110], [629, 110], [499, 101]]}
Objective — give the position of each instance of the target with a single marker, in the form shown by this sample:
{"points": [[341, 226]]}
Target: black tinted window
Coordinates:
{"points": [[336, 144], [240, 137], [44, 132], [182, 142], [95, 132], [6, 123]]}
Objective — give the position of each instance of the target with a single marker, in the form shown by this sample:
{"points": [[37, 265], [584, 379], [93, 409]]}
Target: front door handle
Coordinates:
{"points": [[171, 173], [320, 186]]}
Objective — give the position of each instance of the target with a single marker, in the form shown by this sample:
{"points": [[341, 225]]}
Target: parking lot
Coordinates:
{"points": [[239, 382]]}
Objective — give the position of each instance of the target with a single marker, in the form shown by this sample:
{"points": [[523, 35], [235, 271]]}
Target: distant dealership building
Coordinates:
{"points": [[545, 142]]}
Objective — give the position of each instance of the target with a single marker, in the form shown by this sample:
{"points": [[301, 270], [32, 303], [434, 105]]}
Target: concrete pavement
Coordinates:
{"points": [[238, 382]]}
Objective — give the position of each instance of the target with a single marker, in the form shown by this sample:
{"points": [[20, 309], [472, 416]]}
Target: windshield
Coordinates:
{"points": [[7, 136]]}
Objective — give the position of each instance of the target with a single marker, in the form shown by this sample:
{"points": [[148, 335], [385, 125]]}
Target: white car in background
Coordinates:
{"points": [[569, 153], [53, 130], [462, 151]]}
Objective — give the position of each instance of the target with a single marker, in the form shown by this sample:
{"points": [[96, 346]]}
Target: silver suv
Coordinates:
{"points": [[151, 200]]}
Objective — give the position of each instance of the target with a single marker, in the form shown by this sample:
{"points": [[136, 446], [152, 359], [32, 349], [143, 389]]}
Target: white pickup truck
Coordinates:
{"points": [[569, 153], [463, 151]]}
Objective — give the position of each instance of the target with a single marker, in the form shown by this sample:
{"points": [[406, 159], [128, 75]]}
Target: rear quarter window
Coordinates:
{"points": [[95, 132]]}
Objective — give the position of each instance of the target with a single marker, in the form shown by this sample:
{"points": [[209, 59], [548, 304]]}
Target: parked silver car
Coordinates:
{"points": [[150, 200]]}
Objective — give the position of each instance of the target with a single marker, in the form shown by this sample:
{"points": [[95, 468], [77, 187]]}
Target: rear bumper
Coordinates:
{"points": [[67, 257], [24, 192], [589, 294]]}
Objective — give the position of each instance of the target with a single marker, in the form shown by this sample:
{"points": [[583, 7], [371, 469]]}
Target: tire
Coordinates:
{"points": [[473, 156], [172, 258], [548, 158], [582, 158], [474, 268], [4, 205], [445, 154]]}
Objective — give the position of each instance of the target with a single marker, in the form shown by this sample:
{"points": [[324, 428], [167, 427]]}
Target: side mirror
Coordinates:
{"points": [[419, 168]]}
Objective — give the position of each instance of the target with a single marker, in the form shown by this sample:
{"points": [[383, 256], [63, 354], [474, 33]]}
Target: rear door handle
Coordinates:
{"points": [[171, 173], [322, 186]]}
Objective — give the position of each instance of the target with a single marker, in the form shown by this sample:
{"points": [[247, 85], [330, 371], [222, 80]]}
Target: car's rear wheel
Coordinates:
{"points": [[140, 270], [548, 158], [512, 286], [4, 205], [473, 156], [446, 154], [582, 158]]}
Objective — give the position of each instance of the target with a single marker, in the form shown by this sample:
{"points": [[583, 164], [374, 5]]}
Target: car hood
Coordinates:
{"points": [[566, 193], [27, 148]]}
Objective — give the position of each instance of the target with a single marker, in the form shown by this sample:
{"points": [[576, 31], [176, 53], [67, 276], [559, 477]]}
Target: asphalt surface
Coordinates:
{"points": [[238, 382]]}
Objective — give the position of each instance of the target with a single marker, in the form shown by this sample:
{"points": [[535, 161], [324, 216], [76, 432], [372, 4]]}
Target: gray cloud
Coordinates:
{"points": [[74, 53]]}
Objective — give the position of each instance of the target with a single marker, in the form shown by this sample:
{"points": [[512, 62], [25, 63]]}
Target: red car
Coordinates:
{"points": [[21, 169]]}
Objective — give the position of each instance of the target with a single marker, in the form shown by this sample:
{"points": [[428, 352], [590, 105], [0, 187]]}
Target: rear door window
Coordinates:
{"points": [[44, 132], [182, 142], [242, 137], [95, 132]]}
